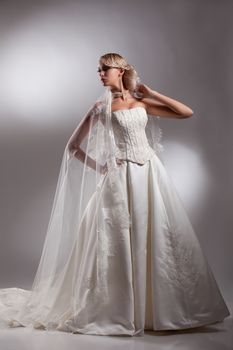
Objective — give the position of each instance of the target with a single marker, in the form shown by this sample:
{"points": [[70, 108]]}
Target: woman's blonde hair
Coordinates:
{"points": [[130, 76]]}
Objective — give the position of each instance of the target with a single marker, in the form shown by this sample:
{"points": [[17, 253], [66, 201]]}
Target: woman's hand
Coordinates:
{"points": [[103, 169], [119, 161], [143, 90]]}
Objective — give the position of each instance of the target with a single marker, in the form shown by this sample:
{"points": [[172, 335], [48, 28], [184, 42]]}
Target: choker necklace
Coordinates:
{"points": [[120, 93]]}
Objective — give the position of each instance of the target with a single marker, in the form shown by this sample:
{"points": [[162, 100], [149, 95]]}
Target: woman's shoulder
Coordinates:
{"points": [[139, 101], [97, 107]]}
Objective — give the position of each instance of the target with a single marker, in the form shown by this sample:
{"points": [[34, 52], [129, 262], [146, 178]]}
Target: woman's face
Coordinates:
{"points": [[109, 75]]}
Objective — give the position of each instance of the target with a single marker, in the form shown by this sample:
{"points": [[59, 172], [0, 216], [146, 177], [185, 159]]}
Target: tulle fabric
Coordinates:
{"points": [[94, 275], [154, 274], [79, 184]]}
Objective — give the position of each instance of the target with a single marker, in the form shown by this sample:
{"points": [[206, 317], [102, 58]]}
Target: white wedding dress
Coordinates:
{"points": [[156, 274]]}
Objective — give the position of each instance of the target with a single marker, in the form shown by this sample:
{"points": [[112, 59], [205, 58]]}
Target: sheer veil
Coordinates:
{"points": [[80, 206]]}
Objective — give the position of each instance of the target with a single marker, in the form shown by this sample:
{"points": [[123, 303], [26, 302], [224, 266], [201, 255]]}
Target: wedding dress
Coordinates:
{"points": [[154, 274]]}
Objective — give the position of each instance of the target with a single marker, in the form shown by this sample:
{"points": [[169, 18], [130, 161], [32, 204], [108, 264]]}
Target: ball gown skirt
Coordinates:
{"points": [[156, 274]]}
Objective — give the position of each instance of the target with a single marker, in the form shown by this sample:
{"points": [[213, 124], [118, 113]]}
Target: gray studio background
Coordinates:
{"points": [[49, 54]]}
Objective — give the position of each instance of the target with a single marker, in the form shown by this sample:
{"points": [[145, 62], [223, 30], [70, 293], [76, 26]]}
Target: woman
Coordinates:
{"points": [[120, 255]]}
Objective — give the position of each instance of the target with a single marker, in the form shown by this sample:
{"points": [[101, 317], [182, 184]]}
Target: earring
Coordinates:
{"points": [[122, 89]]}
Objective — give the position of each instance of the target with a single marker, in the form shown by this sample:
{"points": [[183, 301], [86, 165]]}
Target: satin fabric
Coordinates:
{"points": [[155, 275], [158, 276]]}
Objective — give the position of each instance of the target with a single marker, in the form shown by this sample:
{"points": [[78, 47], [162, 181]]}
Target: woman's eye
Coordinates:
{"points": [[104, 69]]}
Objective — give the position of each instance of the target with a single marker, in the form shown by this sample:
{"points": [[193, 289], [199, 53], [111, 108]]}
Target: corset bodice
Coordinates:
{"points": [[130, 135]]}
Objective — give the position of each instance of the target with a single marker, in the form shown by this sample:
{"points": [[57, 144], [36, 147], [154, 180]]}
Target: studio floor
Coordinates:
{"points": [[214, 337]]}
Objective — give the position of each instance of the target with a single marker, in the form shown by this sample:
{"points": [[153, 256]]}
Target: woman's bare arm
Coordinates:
{"points": [[76, 140], [160, 105]]}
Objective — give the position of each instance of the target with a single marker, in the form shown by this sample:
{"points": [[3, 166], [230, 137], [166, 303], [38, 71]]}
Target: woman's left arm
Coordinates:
{"points": [[160, 105]]}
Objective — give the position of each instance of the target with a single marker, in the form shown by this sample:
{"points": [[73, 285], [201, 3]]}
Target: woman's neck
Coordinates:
{"points": [[119, 93]]}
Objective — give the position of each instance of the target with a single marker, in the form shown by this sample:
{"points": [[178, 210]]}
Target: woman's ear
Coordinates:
{"points": [[122, 71]]}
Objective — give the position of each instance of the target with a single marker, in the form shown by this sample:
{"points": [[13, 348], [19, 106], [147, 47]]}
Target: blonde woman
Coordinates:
{"points": [[120, 255]]}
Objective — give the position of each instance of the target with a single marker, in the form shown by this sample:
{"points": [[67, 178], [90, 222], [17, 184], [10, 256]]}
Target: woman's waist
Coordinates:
{"points": [[136, 156]]}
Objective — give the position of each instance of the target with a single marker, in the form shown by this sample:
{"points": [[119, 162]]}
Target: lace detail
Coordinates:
{"points": [[155, 134], [178, 260], [109, 246], [130, 136]]}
